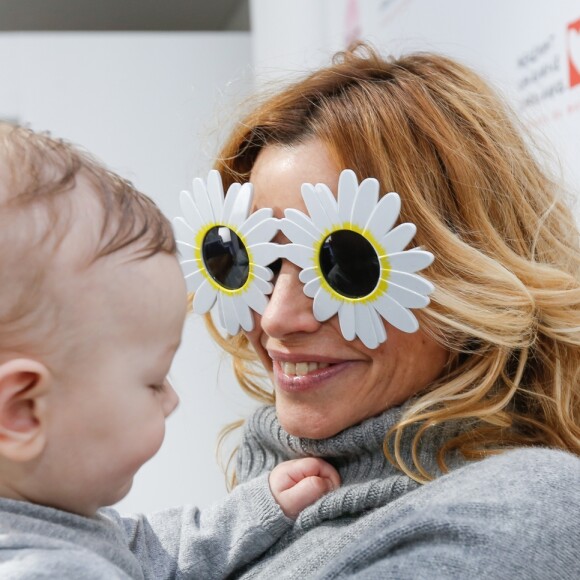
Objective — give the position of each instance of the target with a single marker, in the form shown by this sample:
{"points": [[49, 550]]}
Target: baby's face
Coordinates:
{"points": [[112, 397]]}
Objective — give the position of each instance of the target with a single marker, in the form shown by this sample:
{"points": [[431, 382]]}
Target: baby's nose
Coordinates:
{"points": [[171, 398]]}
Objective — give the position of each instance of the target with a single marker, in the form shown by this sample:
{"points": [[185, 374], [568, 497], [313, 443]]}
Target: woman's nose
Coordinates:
{"points": [[289, 310], [170, 399]]}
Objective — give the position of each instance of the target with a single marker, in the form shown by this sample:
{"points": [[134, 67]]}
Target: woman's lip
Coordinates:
{"points": [[312, 380]]}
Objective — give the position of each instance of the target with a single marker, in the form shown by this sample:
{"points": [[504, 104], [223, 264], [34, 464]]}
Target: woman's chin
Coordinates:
{"points": [[308, 423]]}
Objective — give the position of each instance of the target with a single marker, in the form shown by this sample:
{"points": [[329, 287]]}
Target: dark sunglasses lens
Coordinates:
{"points": [[225, 258], [349, 264]]}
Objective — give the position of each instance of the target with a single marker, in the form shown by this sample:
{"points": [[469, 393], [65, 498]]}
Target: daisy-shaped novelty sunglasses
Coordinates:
{"points": [[353, 261]]}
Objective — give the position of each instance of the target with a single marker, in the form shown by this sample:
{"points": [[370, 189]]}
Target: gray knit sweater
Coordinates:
{"points": [[39, 542], [514, 515]]}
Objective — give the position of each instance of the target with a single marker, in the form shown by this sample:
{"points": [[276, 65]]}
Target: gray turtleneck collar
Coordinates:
{"points": [[369, 480]]}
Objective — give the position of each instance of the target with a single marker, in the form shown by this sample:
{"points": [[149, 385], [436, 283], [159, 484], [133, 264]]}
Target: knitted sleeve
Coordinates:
{"points": [[515, 515], [188, 543]]}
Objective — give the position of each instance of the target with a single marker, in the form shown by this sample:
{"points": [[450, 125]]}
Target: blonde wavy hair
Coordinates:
{"points": [[507, 268]]}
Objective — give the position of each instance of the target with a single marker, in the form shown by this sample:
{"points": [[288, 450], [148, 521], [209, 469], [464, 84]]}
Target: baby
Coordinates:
{"points": [[92, 305]]}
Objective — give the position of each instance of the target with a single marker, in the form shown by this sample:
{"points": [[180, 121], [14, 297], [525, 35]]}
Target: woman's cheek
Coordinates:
{"points": [[255, 338]]}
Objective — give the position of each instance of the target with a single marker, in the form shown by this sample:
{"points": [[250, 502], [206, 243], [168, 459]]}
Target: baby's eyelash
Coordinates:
{"points": [[158, 388]]}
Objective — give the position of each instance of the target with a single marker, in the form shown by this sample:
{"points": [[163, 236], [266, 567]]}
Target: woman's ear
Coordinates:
{"points": [[24, 384]]}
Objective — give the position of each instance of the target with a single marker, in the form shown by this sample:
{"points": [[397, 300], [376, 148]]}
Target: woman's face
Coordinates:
{"points": [[324, 383]]}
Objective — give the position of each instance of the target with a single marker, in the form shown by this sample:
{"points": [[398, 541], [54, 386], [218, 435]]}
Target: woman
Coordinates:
{"points": [[457, 444]]}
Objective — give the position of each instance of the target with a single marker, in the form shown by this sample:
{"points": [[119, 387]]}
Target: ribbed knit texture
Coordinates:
{"points": [[181, 543], [368, 479], [506, 513]]}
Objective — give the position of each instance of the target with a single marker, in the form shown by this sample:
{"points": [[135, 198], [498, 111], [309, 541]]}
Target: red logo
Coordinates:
{"points": [[353, 29], [573, 44]]}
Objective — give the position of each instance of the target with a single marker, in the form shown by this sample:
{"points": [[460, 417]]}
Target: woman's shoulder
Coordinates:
{"points": [[516, 515], [534, 481], [531, 466]]}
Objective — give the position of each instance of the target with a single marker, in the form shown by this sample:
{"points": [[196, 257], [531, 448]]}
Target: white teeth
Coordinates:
{"points": [[301, 368], [288, 368]]}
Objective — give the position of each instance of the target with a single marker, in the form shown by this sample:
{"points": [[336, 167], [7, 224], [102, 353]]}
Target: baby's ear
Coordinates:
{"points": [[23, 389]]}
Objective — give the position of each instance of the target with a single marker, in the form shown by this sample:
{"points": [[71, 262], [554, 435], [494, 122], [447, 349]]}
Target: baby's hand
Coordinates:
{"points": [[299, 483]]}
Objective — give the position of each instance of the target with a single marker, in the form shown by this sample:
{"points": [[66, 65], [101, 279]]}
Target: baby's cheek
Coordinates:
{"points": [[151, 441]]}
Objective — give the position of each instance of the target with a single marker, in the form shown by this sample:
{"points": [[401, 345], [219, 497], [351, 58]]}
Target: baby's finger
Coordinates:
{"points": [[289, 473], [327, 471], [303, 494]]}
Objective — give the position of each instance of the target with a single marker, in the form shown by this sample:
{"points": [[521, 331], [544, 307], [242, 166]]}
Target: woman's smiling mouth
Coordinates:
{"points": [[301, 369], [302, 375]]}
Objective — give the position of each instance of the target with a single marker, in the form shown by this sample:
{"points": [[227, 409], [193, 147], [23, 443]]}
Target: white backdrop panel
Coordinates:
{"points": [[527, 49], [148, 105]]}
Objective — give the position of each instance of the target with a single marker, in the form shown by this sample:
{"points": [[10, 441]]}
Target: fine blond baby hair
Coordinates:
{"points": [[46, 184]]}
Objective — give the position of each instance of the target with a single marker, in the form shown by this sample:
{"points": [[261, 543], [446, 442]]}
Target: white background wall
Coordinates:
{"points": [[153, 107], [522, 46]]}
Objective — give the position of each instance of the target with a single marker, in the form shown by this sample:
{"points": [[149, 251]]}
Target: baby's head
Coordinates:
{"points": [[92, 304]]}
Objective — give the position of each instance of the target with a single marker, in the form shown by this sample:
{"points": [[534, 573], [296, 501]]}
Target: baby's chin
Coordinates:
{"points": [[116, 495]]}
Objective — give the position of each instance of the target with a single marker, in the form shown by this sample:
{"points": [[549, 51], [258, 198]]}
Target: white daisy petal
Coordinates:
{"points": [[324, 306], [215, 192], [302, 221], [297, 233], [230, 314], [204, 298], [189, 266], [263, 232], [384, 215], [302, 256], [347, 188], [407, 298], [328, 202], [243, 312], [185, 250], [220, 313], [347, 321], [254, 219], [262, 285], [262, 272], [255, 299], [365, 201], [220, 308], [183, 232], [193, 280], [364, 325], [410, 261], [308, 275], [398, 238], [315, 207], [202, 202], [208, 207], [241, 205], [412, 282], [311, 288], [395, 314], [229, 201], [266, 253], [190, 211], [378, 326]]}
